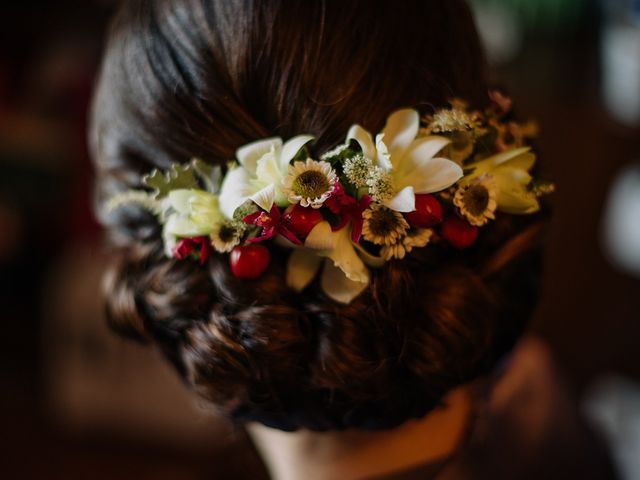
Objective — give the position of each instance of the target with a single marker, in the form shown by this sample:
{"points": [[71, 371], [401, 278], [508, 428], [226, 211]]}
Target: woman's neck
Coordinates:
{"points": [[355, 454]]}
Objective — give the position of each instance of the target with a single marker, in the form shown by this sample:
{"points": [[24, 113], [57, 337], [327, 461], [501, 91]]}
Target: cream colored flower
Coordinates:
{"points": [[408, 159], [309, 183], [262, 166], [226, 235], [344, 273], [191, 213], [461, 146], [382, 225], [380, 183], [476, 200], [358, 169], [453, 120], [510, 171]]}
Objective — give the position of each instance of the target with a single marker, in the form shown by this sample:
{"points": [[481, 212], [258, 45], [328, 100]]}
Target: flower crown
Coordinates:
{"points": [[435, 179]]}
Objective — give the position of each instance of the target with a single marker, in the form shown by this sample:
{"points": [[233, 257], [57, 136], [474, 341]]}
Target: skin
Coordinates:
{"points": [[356, 454]]}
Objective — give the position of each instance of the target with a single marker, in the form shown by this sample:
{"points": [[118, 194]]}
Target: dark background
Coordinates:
{"points": [[49, 53]]}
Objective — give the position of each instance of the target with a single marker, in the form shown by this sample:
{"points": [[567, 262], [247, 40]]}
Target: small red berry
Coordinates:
{"points": [[458, 232], [249, 261], [428, 212], [301, 220]]}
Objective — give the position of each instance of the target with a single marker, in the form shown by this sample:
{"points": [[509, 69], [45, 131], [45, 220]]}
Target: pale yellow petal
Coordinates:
{"points": [[495, 160], [431, 175], [321, 237], [302, 267], [340, 288], [345, 257]]}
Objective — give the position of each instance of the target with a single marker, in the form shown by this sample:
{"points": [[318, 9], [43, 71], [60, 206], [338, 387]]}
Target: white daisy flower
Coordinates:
{"points": [[309, 183], [226, 235], [382, 225], [476, 200]]}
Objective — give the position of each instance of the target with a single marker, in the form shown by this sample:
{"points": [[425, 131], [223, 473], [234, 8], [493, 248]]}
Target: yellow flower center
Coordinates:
{"points": [[476, 199], [227, 233], [384, 222], [310, 184]]}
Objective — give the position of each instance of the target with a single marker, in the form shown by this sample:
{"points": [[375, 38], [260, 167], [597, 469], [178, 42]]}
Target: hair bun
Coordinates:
{"points": [[186, 78]]}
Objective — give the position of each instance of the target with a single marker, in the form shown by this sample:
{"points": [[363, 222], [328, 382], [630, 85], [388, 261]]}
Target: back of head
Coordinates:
{"points": [[199, 78]]}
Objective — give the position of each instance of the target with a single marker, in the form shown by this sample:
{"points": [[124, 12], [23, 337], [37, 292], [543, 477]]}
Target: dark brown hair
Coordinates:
{"points": [[187, 78]]}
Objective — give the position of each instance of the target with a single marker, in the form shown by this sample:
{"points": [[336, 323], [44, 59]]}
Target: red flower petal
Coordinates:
{"points": [[251, 218], [267, 233], [189, 246], [288, 234], [183, 249]]}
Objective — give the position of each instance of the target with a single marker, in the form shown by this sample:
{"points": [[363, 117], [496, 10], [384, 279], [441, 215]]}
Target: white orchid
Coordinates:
{"points": [[262, 167], [510, 172], [409, 162]]}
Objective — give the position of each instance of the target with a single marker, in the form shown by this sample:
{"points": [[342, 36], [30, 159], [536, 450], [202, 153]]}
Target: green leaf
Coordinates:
{"points": [[177, 177], [247, 208], [337, 160], [302, 155]]}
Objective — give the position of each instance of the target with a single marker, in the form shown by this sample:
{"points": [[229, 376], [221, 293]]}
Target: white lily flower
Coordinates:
{"points": [[409, 161], [262, 167], [510, 172]]}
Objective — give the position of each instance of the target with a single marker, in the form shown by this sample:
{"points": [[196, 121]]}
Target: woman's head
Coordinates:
{"points": [[187, 78]]}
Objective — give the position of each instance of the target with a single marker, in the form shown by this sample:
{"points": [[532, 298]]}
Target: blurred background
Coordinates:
{"points": [[79, 402]]}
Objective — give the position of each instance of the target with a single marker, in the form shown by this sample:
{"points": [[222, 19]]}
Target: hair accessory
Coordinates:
{"points": [[439, 178]]}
